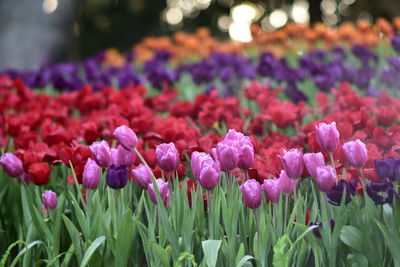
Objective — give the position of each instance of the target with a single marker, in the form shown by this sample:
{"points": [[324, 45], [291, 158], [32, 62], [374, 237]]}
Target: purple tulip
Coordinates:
{"points": [[312, 162], [325, 178], [388, 168], [163, 188], [327, 136], [101, 153], [381, 193], [122, 157], [142, 175], [205, 169], [11, 164], [272, 190], [334, 196], [167, 157], [228, 154], [126, 137], [286, 184], [245, 148], [251, 194], [356, 153], [91, 174], [293, 163], [49, 199], [117, 177]]}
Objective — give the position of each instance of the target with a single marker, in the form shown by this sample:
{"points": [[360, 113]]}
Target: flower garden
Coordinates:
{"points": [[189, 151]]}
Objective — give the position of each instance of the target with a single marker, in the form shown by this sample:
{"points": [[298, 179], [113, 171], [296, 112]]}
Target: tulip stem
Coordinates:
{"points": [[143, 161], [88, 202], [364, 184], [286, 208], [256, 214], [333, 166], [210, 228]]}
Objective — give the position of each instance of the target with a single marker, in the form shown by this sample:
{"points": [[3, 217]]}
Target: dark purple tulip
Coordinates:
{"points": [[388, 168], [316, 231], [396, 43], [117, 177], [381, 193], [335, 195]]}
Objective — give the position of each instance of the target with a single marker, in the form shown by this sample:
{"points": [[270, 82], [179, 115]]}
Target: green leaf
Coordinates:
{"points": [[161, 253], [8, 251], [210, 249], [244, 260], [126, 234], [352, 237], [22, 252], [91, 249], [392, 241], [74, 235], [282, 252]]}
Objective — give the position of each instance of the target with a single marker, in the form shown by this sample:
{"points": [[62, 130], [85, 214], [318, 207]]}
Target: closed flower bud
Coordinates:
{"points": [[286, 184], [325, 178], [245, 149], [205, 169], [142, 175], [251, 194], [101, 153], [313, 161], [91, 174], [11, 164], [122, 157], [228, 154], [356, 153], [49, 199], [163, 188], [293, 163], [327, 136], [272, 190], [126, 137], [117, 177], [39, 173], [167, 157]]}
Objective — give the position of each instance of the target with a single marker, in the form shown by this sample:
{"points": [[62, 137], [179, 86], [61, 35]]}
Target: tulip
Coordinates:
{"points": [[334, 196], [388, 168], [117, 177], [39, 173], [126, 137], [356, 153], [163, 188], [286, 184], [91, 174], [293, 163], [49, 199], [167, 157], [251, 194], [272, 190], [245, 149], [325, 178], [122, 157], [312, 162], [205, 169], [101, 153], [381, 193], [142, 175], [228, 154], [327, 136], [11, 164]]}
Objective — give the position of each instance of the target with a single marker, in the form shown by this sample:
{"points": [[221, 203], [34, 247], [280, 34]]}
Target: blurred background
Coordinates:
{"points": [[34, 32]]}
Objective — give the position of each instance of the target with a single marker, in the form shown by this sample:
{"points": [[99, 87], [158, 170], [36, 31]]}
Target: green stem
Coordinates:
{"points": [[143, 161], [210, 226]]}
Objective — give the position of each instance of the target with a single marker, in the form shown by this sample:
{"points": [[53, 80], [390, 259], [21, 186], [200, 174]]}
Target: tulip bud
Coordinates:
{"points": [[39, 173], [205, 169], [388, 168], [251, 194], [142, 175], [286, 184], [245, 148], [126, 137], [325, 178], [356, 153], [49, 199], [117, 177], [163, 188], [272, 190], [91, 174], [167, 157], [101, 153], [227, 154], [122, 157], [312, 161], [11, 164], [327, 136], [293, 163]]}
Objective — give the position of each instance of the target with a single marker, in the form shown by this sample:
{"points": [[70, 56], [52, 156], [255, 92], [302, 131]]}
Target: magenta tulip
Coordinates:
{"points": [[167, 157], [327, 136], [163, 188], [91, 174], [101, 153], [142, 175], [272, 190], [356, 153], [49, 199], [286, 184], [313, 161], [293, 163], [122, 157], [251, 194], [11, 164], [126, 137], [325, 178]]}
